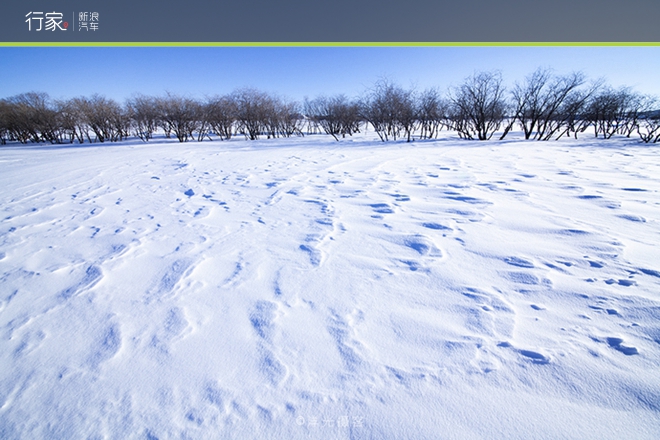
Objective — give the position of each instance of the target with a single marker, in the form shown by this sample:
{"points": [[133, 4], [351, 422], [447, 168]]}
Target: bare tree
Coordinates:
{"points": [[570, 116], [390, 110], [221, 114], [603, 113], [432, 111], [143, 113], [615, 111], [66, 122], [636, 104], [5, 110], [649, 129], [252, 108], [478, 107], [101, 116], [320, 112], [528, 102], [289, 118], [30, 117], [546, 105], [271, 116], [337, 115], [74, 120], [179, 115], [648, 123]]}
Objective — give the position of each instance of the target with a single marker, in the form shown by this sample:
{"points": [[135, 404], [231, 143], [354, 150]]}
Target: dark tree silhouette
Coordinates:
{"points": [[546, 104], [478, 107], [143, 113], [221, 114], [179, 115], [337, 115], [390, 110]]}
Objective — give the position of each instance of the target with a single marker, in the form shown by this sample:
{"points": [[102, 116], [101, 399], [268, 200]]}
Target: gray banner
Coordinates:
{"points": [[330, 21]]}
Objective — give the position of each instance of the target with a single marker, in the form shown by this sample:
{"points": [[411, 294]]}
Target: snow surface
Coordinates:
{"points": [[307, 288]]}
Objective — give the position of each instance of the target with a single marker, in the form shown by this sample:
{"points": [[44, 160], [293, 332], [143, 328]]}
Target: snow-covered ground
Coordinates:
{"points": [[307, 288]]}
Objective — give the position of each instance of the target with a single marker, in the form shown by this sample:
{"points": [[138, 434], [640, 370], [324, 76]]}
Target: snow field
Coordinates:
{"points": [[304, 288]]}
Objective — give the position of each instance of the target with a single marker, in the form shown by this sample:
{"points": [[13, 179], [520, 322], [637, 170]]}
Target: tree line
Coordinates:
{"points": [[543, 106]]}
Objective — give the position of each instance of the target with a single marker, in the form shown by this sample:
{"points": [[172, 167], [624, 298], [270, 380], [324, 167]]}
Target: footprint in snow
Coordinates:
{"points": [[314, 254], [271, 367], [436, 227], [623, 282], [468, 199], [414, 266], [523, 278], [617, 344], [215, 395], [633, 218], [589, 197], [635, 189], [596, 264], [169, 280], [498, 318], [382, 208], [400, 197], [107, 345], [572, 232], [29, 342], [175, 322], [466, 215], [174, 325], [651, 272], [262, 320], [535, 356], [340, 330], [422, 245], [92, 276], [519, 262]]}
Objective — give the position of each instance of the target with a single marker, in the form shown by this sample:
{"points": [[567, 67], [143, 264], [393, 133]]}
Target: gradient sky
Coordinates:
{"points": [[296, 72]]}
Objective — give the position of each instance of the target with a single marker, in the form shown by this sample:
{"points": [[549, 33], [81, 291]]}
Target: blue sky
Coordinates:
{"points": [[296, 72]]}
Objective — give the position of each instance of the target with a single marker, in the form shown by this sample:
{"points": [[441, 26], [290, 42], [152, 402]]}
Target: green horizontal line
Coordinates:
{"points": [[328, 44]]}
